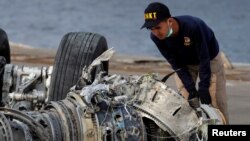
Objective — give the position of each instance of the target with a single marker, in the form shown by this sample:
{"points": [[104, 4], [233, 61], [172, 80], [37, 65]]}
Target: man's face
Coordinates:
{"points": [[161, 30]]}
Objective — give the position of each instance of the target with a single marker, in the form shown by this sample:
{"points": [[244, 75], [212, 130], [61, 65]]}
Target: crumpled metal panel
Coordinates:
{"points": [[168, 109]]}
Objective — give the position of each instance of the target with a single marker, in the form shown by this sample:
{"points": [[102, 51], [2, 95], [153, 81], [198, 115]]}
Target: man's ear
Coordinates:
{"points": [[170, 21]]}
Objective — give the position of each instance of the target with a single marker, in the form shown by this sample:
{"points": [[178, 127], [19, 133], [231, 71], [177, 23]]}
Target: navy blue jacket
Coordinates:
{"points": [[195, 44]]}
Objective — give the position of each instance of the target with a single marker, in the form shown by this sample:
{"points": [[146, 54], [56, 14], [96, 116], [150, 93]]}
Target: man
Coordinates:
{"points": [[190, 47]]}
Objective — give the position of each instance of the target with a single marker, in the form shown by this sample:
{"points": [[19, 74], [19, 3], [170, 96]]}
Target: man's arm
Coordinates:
{"points": [[203, 54], [202, 36]]}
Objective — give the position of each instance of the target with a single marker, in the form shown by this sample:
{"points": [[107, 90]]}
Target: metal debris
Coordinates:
{"points": [[110, 108]]}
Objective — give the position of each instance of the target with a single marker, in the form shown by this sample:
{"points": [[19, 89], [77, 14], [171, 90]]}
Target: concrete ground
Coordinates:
{"points": [[239, 102]]}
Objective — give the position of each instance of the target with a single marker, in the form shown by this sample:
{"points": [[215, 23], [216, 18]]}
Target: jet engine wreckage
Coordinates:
{"points": [[107, 108]]}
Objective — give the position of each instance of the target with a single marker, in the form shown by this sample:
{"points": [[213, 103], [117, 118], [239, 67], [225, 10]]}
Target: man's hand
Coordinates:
{"points": [[193, 99], [205, 96]]}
